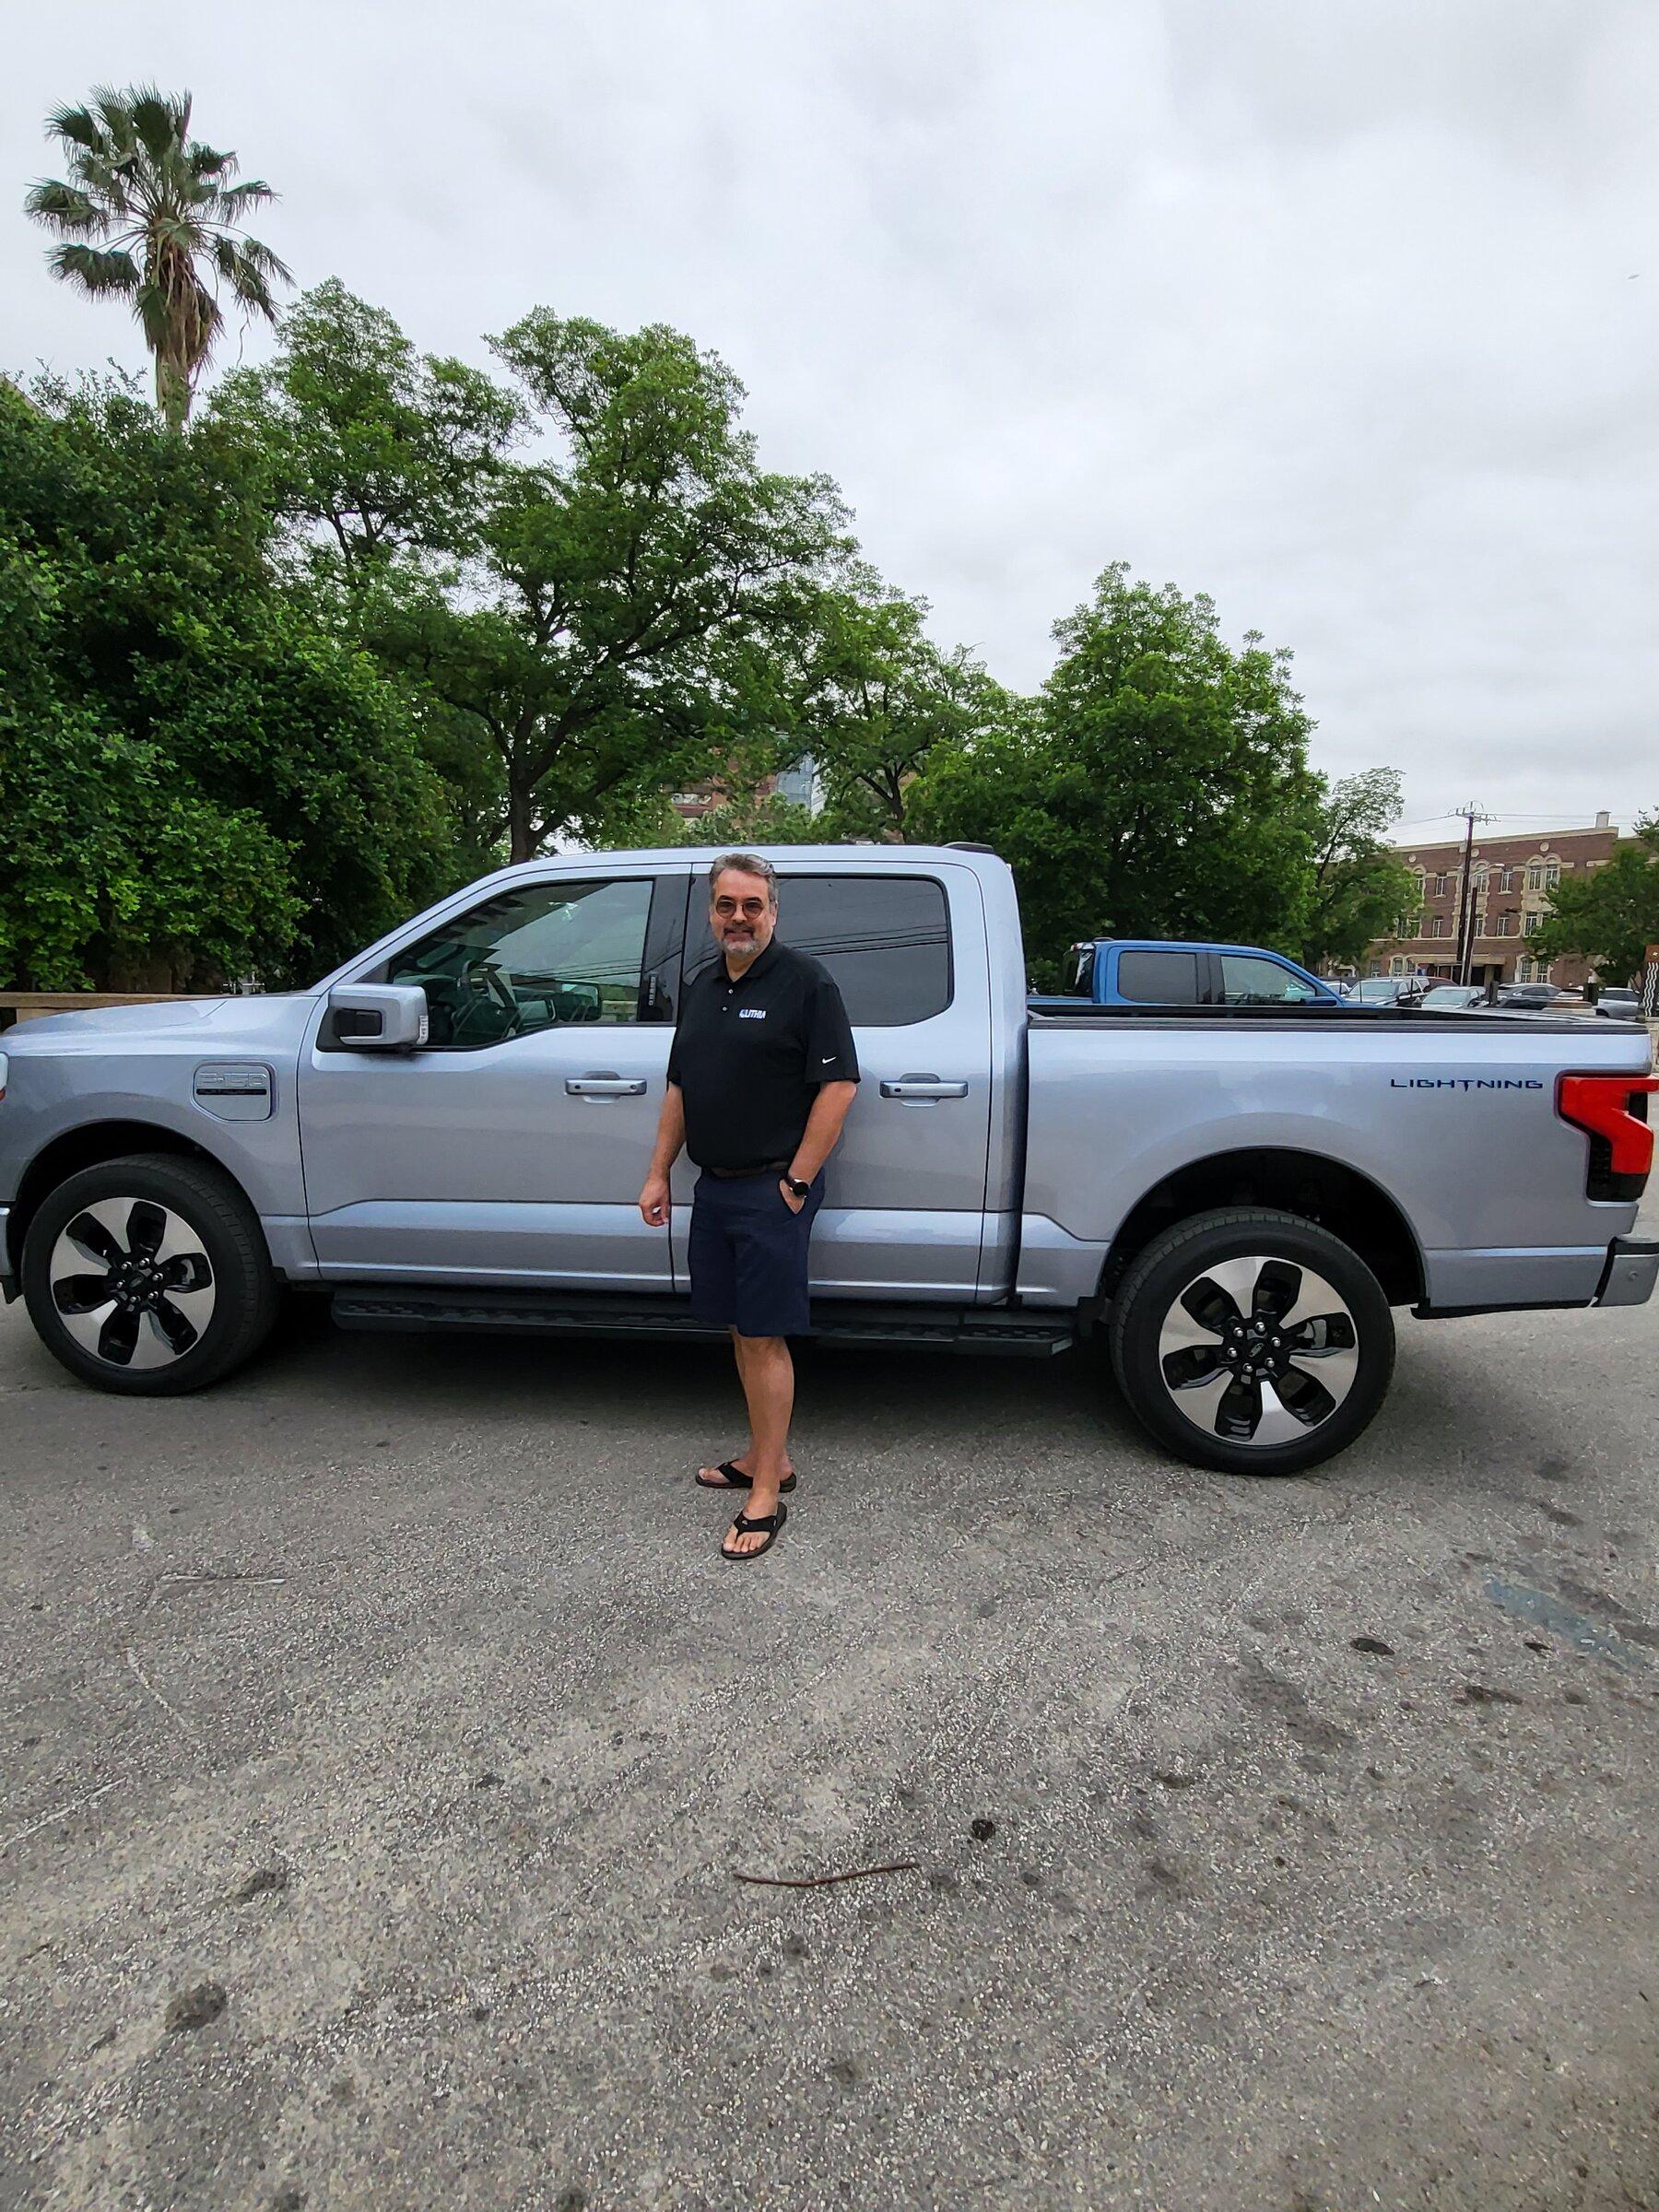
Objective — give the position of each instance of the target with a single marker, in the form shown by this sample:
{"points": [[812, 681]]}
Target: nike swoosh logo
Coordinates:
{"points": [[827, 1057]]}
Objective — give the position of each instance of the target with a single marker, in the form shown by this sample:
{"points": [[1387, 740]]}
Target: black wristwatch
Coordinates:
{"points": [[795, 1187]]}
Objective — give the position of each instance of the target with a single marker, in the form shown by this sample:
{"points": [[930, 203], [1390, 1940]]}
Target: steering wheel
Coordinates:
{"points": [[485, 977]]}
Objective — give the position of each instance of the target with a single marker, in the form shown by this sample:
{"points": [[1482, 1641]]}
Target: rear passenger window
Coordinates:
{"points": [[1159, 979], [885, 939]]}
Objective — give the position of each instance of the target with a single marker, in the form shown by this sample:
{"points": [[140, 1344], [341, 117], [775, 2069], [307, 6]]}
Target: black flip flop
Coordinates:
{"points": [[735, 1479], [747, 1524]]}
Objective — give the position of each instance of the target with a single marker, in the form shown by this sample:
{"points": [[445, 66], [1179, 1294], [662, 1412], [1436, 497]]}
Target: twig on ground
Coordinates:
{"points": [[822, 1881], [62, 1813], [172, 1711]]}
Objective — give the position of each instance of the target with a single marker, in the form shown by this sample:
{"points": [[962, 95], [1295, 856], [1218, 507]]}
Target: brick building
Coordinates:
{"points": [[798, 784], [1513, 878]]}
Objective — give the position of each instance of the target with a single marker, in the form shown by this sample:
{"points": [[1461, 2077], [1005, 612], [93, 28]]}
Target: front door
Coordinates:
{"points": [[904, 1207], [510, 1149]]}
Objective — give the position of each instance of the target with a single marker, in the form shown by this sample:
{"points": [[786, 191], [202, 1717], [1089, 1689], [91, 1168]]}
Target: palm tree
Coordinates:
{"points": [[152, 215]]}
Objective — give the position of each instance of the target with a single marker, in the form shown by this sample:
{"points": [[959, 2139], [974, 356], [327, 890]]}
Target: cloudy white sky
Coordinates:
{"points": [[1346, 312]]}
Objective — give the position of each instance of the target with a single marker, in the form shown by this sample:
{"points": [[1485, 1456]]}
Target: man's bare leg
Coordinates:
{"points": [[768, 1374], [711, 1477]]}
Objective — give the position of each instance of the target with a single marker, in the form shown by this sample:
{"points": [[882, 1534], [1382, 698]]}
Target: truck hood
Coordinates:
{"points": [[211, 1023]]}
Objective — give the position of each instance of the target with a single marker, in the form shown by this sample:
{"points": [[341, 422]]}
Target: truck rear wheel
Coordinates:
{"points": [[148, 1276], [1252, 1341]]}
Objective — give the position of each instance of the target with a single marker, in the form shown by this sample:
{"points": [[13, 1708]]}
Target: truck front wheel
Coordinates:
{"points": [[1252, 1341], [148, 1276]]}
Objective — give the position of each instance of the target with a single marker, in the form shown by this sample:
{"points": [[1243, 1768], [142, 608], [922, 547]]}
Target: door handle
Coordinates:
{"points": [[601, 1084], [922, 1086]]}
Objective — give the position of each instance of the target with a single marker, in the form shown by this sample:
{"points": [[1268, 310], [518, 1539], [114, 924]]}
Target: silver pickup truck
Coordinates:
{"points": [[451, 1130]]}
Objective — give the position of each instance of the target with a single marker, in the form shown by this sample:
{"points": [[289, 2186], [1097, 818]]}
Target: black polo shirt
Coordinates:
{"points": [[748, 1056]]}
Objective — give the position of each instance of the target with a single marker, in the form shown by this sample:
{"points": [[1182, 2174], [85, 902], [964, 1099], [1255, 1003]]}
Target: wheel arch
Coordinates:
{"points": [[1318, 1188], [88, 1147]]}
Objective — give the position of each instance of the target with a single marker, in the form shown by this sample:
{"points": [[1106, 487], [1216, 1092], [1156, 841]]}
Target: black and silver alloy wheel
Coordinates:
{"points": [[130, 1282], [1252, 1341], [1258, 1350], [148, 1275]]}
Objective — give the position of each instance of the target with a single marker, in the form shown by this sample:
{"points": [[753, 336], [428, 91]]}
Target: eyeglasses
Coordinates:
{"points": [[750, 909]]}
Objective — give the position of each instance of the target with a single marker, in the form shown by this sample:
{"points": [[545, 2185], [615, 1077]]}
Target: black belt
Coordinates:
{"points": [[767, 1167]]}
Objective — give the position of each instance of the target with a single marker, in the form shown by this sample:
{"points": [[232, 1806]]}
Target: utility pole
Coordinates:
{"points": [[1466, 904]]}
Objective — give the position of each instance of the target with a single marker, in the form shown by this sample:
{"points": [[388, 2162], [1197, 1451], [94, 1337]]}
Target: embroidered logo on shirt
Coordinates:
{"points": [[751, 1013]]}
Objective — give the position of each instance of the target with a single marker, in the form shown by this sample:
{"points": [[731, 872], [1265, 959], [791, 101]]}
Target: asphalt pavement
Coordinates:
{"points": [[383, 1744]]}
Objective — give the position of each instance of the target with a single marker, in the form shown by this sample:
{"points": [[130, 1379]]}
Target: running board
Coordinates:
{"points": [[950, 1328]]}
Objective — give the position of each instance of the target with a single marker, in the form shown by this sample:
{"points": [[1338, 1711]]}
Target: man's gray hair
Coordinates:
{"points": [[746, 864]]}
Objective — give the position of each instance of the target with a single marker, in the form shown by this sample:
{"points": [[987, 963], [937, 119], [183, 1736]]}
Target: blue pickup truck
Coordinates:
{"points": [[1144, 971]]}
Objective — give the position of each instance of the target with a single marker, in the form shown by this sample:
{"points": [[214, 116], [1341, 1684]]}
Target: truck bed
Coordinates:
{"points": [[1410, 1020]]}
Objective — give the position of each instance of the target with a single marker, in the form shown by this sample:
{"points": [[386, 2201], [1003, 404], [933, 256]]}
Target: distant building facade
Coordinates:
{"points": [[798, 784], [1514, 881]]}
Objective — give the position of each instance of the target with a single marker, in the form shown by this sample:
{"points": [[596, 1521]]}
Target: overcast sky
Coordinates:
{"points": [[1346, 312]]}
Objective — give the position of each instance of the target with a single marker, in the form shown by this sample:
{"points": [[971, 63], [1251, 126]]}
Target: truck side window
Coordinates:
{"points": [[1250, 982], [1159, 979], [886, 940], [539, 954]]}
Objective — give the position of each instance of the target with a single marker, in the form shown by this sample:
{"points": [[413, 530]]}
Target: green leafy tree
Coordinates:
{"points": [[585, 626], [151, 216], [1357, 889], [197, 780], [1610, 914], [876, 699], [375, 455], [379, 461], [1159, 786]]}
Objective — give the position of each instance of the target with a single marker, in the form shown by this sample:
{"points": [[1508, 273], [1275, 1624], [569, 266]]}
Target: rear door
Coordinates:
{"points": [[1156, 975], [903, 1214]]}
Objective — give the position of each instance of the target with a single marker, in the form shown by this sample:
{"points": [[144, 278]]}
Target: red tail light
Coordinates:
{"points": [[1612, 1111]]}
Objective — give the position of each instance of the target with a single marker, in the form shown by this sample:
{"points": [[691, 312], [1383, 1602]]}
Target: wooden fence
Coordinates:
{"points": [[27, 1005]]}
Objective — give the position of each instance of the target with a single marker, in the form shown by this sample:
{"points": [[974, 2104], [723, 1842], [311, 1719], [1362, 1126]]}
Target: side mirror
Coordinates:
{"points": [[377, 1017]]}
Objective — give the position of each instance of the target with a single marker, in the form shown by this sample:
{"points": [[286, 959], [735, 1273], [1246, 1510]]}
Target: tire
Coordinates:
{"points": [[165, 1285], [1309, 1391]]}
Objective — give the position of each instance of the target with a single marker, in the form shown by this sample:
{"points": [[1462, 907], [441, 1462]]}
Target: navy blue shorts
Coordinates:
{"points": [[749, 1255]]}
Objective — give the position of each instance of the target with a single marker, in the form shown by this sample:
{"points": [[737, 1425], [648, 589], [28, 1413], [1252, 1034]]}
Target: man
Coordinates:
{"points": [[759, 1081]]}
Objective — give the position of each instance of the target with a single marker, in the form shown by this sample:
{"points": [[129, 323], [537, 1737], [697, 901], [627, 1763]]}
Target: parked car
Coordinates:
{"points": [[1618, 1004], [1449, 997], [1390, 990], [1526, 994], [450, 1131], [1146, 972]]}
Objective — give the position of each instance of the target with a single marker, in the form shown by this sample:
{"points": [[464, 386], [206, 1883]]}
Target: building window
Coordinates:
{"points": [[1535, 879], [1441, 926], [1552, 875], [1439, 887]]}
